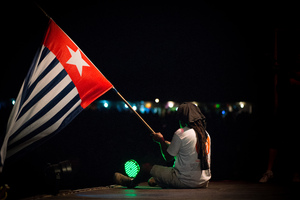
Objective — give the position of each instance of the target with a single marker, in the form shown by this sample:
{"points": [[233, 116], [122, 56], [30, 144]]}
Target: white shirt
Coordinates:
{"points": [[183, 147]]}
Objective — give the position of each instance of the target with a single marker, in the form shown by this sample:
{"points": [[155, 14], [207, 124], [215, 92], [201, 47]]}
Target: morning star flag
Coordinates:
{"points": [[61, 82]]}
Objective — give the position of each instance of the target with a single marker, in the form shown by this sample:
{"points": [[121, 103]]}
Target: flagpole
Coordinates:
{"points": [[42, 10], [131, 108]]}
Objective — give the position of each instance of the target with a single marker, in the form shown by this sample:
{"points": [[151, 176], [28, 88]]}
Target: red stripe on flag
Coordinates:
{"points": [[90, 82]]}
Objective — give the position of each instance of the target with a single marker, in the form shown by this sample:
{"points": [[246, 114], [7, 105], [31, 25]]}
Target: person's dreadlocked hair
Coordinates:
{"points": [[190, 114], [199, 127]]}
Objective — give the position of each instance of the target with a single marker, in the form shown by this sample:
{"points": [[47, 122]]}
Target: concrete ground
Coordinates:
{"points": [[216, 190]]}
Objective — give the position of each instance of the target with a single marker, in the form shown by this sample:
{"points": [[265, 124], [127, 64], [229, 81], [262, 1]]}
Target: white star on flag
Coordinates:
{"points": [[51, 96], [77, 60]]}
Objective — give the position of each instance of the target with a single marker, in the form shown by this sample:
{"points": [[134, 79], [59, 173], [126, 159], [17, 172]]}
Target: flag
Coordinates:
{"points": [[61, 82]]}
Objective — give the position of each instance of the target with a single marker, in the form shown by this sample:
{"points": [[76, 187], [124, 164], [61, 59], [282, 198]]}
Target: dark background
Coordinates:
{"points": [[183, 51], [180, 51]]}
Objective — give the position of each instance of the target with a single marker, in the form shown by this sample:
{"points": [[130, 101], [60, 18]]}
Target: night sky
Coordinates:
{"points": [[173, 51]]}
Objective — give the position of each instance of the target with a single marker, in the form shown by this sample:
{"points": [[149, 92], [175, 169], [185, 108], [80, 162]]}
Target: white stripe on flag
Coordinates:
{"points": [[46, 79], [37, 69], [38, 106], [14, 111], [44, 133], [36, 63], [48, 59], [33, 110]]}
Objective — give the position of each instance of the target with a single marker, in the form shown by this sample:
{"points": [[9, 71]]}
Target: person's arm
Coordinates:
{"points": [[159, 138]]}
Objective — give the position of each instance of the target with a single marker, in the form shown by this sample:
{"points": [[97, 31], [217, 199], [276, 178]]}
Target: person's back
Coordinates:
{"points": [[187, 164]]}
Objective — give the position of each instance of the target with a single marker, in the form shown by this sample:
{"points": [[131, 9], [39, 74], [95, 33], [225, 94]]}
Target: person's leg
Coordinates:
{"points": [[166, 177], [152, 182], [123, 180], [272, 156], [269, 173]]}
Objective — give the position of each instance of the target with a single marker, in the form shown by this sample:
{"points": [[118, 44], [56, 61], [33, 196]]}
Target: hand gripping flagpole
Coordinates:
{"points": [[137, 114]]}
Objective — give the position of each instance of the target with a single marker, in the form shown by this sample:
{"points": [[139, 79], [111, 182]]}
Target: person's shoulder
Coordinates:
{"points": [[179, 131]]}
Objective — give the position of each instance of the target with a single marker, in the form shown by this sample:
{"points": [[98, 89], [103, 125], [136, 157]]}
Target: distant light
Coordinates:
{"points": [[13, 102], [230, 108], [194, 102], [223, 112], [242, 104], [217, 105], [157, 100], [170, 104], [125, 106], [148, 105], [134, 107], [142, 109], [105, 104]]}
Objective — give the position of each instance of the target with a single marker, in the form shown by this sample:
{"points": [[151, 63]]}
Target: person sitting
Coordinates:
{"points": [[190, 147]]}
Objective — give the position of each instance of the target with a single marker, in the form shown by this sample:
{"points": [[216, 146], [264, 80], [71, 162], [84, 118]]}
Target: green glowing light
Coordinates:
{"points": [[217, 105], [132, 168]]}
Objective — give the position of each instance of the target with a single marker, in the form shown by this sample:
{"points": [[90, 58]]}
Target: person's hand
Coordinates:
{"points": [[158, 137]]}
